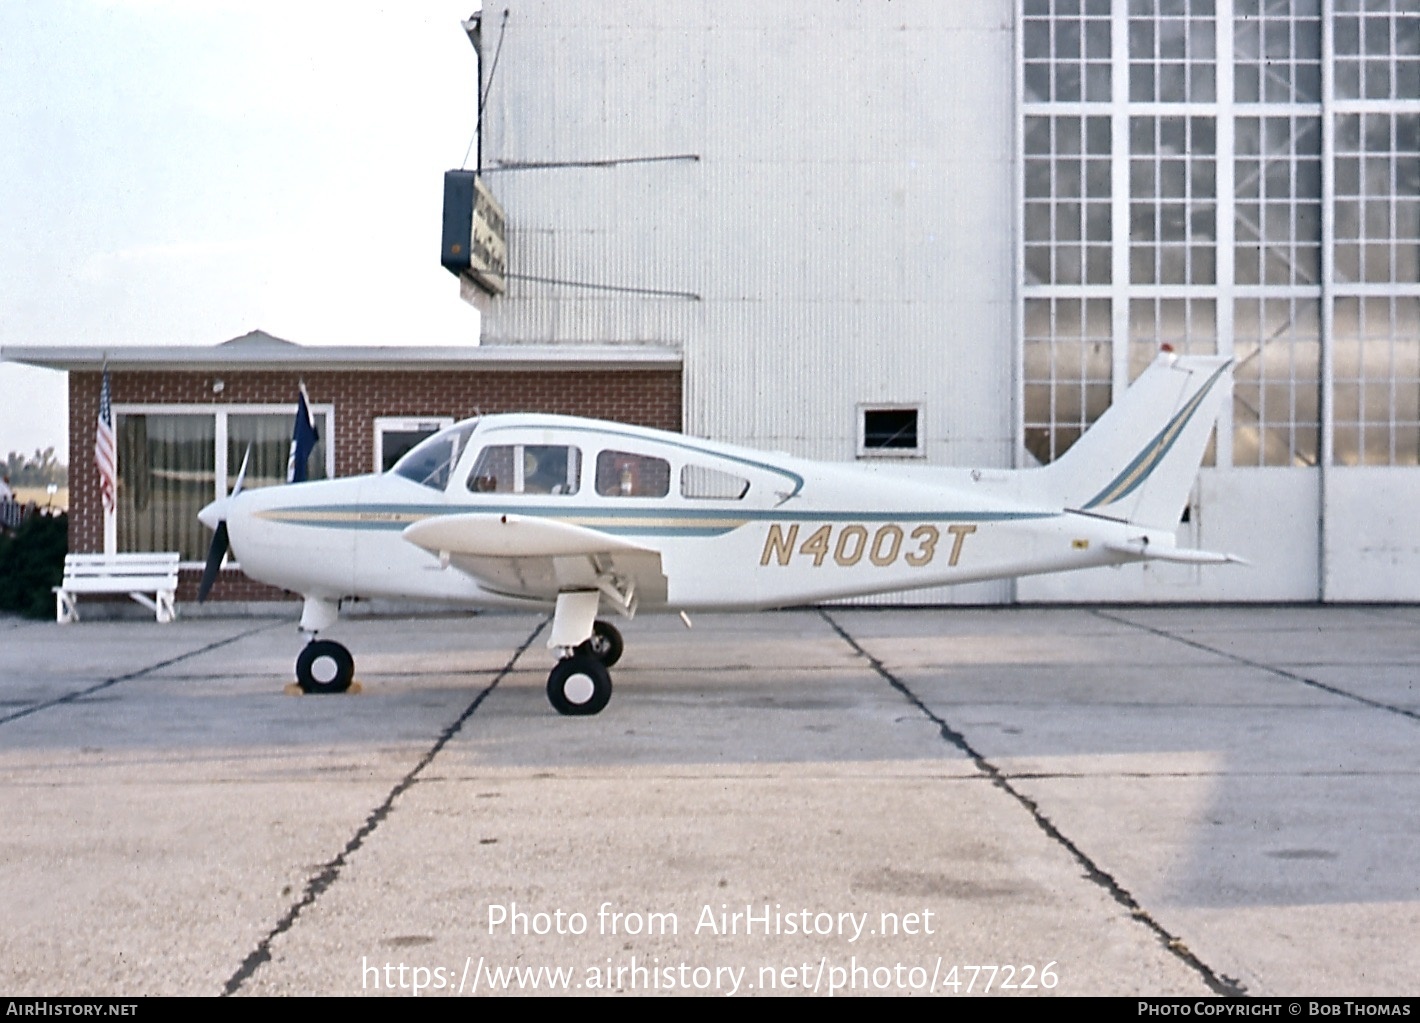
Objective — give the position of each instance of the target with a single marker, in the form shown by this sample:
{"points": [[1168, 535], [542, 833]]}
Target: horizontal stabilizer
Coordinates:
{"points": [[1144, 550]]}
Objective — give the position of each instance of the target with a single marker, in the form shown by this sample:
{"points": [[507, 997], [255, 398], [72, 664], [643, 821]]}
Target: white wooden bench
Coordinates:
{"points": [[134, 574], [12, 513]]}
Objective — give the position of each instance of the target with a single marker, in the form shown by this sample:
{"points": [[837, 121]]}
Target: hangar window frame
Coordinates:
{"points": [[1263, 165]]}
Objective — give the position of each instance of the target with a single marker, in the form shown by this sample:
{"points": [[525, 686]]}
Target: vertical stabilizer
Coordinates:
{"points": [[1138, 462]]}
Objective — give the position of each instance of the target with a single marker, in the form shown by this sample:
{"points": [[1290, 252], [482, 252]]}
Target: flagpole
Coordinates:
{"points": [[106, 459]]}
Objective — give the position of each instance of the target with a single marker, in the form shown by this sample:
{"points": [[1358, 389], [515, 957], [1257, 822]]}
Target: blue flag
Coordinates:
{"points": [[303, 440]]}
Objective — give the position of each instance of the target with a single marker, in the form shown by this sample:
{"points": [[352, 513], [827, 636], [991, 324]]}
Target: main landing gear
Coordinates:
{"points": [[580, 683]]}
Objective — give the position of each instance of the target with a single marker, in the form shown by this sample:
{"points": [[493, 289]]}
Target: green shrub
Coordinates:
{"points": [[31, 563]]}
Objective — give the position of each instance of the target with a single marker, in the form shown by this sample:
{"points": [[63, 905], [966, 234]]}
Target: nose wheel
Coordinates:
{"points": [[579, 685], [325, 666]]}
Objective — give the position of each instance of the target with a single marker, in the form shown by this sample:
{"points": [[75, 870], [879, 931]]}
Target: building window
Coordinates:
{"points": [[1067, 355], [170, 462], [395, 437], [1185, 204], [889, 430]]}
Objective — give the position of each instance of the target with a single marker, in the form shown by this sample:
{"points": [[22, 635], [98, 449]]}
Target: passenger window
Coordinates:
{"points": [[623, 474], [527, 469], [550, 469], [697, 481]]}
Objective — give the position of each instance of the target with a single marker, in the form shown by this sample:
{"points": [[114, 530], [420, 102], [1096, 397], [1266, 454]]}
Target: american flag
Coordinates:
{"points": [[106, 449]]}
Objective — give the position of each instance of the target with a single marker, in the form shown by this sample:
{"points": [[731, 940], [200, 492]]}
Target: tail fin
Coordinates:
{"points": [[1138, 462]]}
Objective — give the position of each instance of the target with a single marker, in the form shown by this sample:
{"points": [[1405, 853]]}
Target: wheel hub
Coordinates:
{"points": [[579, 688]]}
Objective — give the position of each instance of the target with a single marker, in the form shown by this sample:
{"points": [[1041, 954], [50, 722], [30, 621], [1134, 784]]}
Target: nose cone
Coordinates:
{"points": [[212, 514]]}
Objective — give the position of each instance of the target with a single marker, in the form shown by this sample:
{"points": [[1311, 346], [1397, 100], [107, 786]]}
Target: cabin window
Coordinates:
{"points": [[701, 483], [527, 469], [624, 474], [885, 431]]}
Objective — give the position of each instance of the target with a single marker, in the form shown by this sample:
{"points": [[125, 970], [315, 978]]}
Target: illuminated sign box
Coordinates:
{"points": [[475, 239]]}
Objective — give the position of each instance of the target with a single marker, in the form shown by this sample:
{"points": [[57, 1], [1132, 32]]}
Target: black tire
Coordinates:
{"points": [[579, 685], [605, 644], [325, 667]]}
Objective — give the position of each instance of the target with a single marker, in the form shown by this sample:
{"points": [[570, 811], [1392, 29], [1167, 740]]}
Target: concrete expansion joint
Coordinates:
{"points": [[1271, 669], [1093, 872], [329, 872], [80, 694]]}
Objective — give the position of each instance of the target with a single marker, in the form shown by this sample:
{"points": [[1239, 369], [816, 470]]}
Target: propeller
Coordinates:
{"points": [[221, 542]]}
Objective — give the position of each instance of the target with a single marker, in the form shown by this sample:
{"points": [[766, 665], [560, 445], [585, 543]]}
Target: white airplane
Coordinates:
{"points": [[590, 517]]}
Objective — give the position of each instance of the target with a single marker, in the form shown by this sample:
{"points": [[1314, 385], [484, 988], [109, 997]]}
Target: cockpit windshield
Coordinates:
{"points": [[430, 462]]}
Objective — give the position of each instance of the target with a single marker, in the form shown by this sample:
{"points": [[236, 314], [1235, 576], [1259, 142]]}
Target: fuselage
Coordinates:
{"points": [[733, 528]]}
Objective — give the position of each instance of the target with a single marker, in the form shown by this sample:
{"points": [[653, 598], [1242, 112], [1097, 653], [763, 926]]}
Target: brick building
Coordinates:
{"points": [[186, 416]]}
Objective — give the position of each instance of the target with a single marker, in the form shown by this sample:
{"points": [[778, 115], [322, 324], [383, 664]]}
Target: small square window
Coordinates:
{"points": [[886, 431]]}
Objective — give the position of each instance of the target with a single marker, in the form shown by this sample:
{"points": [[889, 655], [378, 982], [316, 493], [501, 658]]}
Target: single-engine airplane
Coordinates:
{"points": [[590, 517]]}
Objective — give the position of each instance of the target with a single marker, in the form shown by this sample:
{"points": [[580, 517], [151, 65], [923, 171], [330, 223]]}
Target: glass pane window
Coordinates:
{"points": [[264, 442], [167, 471], [396, 436], [431, 462], [626, 474], [527, 469], [1277, 216], [890, 431], [1067, 371], [1172, 52], [1276, 52], [1377, 51], [1067, 53], [1377, 174], [700, 482], [168, 462], [1376, 341]]}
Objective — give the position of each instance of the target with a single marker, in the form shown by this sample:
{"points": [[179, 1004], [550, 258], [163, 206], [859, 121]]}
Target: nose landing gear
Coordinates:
{"points": [[324, 666]]}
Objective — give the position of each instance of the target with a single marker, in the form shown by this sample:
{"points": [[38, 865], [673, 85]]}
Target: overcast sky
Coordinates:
{"points": [[182, 172]]}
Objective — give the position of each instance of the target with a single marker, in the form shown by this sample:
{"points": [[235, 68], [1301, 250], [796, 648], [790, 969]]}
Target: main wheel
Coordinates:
{"points": [[325, 667], [605, 644], [580, 684]]}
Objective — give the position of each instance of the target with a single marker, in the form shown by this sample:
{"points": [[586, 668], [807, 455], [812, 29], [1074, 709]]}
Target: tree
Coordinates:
{"points": [[32, 563], [39, 471]]}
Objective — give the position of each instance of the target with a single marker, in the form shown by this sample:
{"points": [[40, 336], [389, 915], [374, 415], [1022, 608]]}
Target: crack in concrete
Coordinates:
{"points": [[79, 694], [1216, 982], [1291, 676], [329, 872]]}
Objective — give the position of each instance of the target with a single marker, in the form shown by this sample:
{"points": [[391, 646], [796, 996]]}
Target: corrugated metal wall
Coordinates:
{"points": [[846, 226]]}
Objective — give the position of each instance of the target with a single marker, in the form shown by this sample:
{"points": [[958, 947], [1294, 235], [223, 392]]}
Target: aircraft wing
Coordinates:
{"points": [[535, 557]]}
